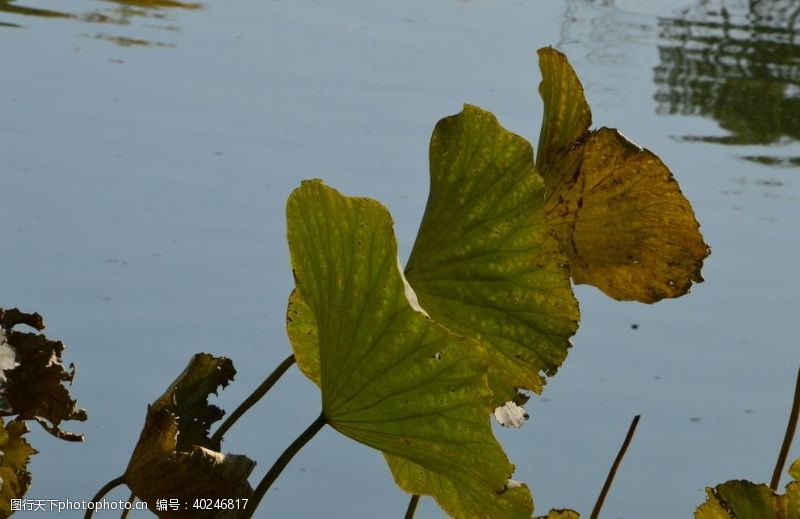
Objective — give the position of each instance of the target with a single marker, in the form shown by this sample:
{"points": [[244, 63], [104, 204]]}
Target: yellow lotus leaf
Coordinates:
{"points": [[619, 214]]}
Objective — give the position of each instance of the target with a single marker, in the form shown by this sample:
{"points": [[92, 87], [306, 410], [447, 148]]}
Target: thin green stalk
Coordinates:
{"points": [[787, 438], [412, 507], [252, 399], [280, 464], [108, 487], [613, 472]]}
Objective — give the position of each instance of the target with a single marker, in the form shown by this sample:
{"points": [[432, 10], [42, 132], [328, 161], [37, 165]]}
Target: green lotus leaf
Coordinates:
{"points": [[619, 213], [390, 377], [741, 499], [175, 459], [561, 514], [301, 326], [793, 492], [462, 498], [485, 263], [15, 454], [33, 377]]}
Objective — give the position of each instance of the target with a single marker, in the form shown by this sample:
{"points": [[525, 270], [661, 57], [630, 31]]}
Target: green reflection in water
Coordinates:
{"points": [[737, 62], [157, 4], [10, 6], [113, 12], [780, 162], [123, 41]]}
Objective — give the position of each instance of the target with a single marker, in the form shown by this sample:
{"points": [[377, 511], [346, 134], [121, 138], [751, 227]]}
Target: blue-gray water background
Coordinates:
{"points": [[148, 149]]}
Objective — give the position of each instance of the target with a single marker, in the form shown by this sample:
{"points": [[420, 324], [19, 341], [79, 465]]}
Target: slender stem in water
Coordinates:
{"points": [[108, 487], [412, 507], [280, 464], [787, 438], [127, 511], [252, 399], [613, 472]]}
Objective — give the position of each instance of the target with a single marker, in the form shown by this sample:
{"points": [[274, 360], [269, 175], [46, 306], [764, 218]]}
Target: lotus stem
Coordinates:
{"points": [[283, 460], [251, 400], [412, 507], [613, 472], [125, 512], [108, 487], [787, 438]]}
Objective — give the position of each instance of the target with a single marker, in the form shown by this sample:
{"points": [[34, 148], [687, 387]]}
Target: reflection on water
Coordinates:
{"points": [[124, 41], [111, 12], [786, 162], [10, 6], [737, 62], [603, 30]]}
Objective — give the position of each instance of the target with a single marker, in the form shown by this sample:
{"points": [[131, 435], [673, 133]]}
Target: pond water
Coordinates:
{"points": [[149, 146]]}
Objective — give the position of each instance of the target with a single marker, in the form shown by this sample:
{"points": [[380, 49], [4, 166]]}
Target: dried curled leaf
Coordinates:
{"points": [[485, 263], [15, 453], [175, 459], [32, 380], [619, 213], [390, 377]]}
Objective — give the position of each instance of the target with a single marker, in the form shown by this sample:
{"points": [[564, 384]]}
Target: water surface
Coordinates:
{"points": [[149, 146]]}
